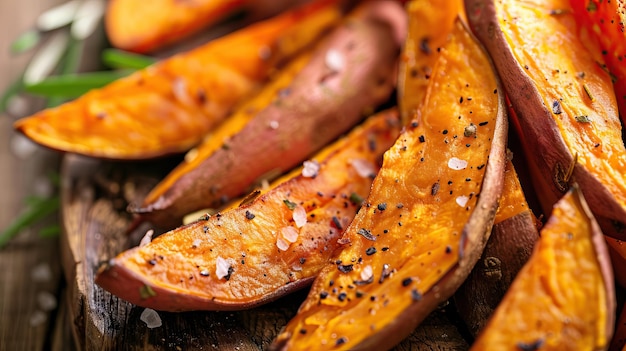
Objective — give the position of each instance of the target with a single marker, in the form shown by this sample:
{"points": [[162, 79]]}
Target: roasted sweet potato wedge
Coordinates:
{"points": [[135, 26], [428, 31], [169, 106], [566, 113], [350, 73], [563, 298], [510, 245], [426, 220], [617, 251], [602, 22], [618, 343], [267, 246]]}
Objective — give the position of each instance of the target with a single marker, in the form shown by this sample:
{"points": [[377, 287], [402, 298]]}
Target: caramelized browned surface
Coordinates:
{"points": [[563, 298], [424, 224], [169, 106], [258, 251]]}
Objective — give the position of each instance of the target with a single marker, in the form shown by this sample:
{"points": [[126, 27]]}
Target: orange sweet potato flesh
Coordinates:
{"points": [[566, 113], [510, 245], [169, 106], [261, 261], [134, 25], [428, 31], [603, 21], [426, 220], [563, 298], [320, 102]]}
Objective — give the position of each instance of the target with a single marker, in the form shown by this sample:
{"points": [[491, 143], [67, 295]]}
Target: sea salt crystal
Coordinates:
{"points": [[281, 243], [41, 273], [310, 168], [46, 301], [290, 234], [222, 268], [367, 273], [462, 200], [334, 60], [37, 318], [147, 238], [299, 216], [274, 124], [196, 243], [364, 168], [22, 147], [151, 318], [457, 163]]}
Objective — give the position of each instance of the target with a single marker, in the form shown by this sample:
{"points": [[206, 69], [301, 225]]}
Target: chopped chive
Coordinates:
{"points": [[37, 211], [114, 58], [25, 41], [74, 85]]}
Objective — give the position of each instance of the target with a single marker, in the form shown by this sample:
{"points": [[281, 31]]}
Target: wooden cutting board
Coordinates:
{"points": [[94, 197]]}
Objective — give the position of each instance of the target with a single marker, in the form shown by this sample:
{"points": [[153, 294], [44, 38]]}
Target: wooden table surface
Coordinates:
{"points": [[28, 294]]}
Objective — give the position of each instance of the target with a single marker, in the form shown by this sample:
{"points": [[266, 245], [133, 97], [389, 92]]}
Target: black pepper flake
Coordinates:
{"points": [[468, 179], [495, 91], [480, 167], [323, 295], [461, 100], [364, 282], [342, 296], [250, 215], [382, 206], [302, 260], [205, 229], [424, 47], [366, 234], [152, 262], [422, 139], [448, 249], [331, 283], [345, 268], [302, 331], [342, 340], [231, 270], [359, 294], [385, 231], [445, 131], [399, 205], [407, 281], [370, 250], [434, 189], [385, 248], [530, 346], [415, 295], [337, 223], [386, 272], [482, 124], [556, 107], [414, 124]]}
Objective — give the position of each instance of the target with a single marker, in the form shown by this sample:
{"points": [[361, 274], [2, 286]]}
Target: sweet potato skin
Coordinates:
{"points": [[132, 25], [570, 280], [413, 244], [169, 106], [566, 114], [510, 245], [321, 102], [178, 270]]}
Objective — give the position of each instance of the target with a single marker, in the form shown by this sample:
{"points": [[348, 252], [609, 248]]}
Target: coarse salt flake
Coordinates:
{"points": [[290, 234], [299, 216], [46, 301], [222, 268], [147, 238], [364, 168], [310, 168], [41, 273], [462, 200], [151, 318], [334, 60], [367, 273], [457, 163], [281, 243]]}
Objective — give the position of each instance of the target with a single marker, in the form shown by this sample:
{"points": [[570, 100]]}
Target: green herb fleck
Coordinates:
{"points": [[146, 292], [290, 205]]}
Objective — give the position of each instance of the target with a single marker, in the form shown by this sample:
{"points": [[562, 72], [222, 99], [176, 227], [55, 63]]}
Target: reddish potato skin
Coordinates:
{"points": [[547, 153], [321, 104]]}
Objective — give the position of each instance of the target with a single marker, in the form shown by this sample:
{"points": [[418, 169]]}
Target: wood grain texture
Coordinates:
{"points": [[94, 197]]}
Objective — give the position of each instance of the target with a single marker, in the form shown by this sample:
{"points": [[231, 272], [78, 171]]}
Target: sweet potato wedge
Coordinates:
{"points": [[510, 245], [265, 247], [428, 31], [618, 343], [426, 220], [135, 26], [350, 73], [169, 106], [563, 298], [566, 113], [603, 22]]}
